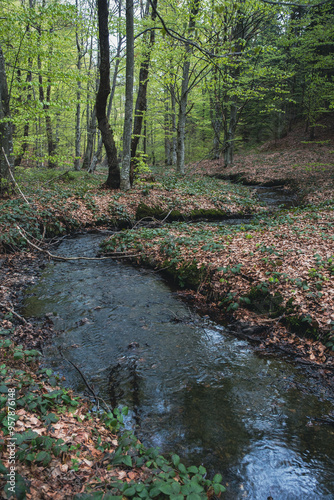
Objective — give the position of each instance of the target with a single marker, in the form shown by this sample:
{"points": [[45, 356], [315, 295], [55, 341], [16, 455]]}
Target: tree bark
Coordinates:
{"points": [[78, 110], [181, 127], [113, 180], [90, 139], [141, 101], [168, 149], [230, 136], [130, 61], [46, 104], [6, 140]]}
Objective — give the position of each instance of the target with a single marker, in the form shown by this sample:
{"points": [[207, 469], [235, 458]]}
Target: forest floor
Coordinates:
{"points": [[269, 276]]}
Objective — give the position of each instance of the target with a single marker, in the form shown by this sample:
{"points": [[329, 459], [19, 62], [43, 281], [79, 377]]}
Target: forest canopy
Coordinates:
{"points": [[208, 77]]}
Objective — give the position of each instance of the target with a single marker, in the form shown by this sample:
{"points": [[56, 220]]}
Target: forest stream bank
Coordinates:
{"points": [[268, 277]]}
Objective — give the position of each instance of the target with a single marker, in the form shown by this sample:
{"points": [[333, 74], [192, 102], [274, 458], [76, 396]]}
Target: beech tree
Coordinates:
{"points": [[113, 180], [6, 146], [126, 157]]}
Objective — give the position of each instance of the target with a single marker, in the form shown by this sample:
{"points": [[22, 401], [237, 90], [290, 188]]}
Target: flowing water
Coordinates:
{"points": [[191, 387]]}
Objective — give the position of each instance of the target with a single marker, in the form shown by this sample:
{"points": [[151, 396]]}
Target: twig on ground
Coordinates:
{"points": [[54, 178], [11, 310], [91, 390]]}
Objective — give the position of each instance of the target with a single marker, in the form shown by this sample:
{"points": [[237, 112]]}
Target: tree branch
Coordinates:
{"points": [[302, 6], [12, 177]]}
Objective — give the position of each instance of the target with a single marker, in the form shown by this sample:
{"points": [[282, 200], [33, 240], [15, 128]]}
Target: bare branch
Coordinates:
{"points": [[12, 177], [302, 6]]}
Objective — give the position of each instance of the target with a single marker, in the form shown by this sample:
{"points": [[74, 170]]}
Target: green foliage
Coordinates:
{"points": [[168, 478]]}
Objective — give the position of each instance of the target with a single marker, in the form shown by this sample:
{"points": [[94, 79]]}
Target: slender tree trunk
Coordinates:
{"points": [[6, 140], [80, 54], [113, 180], [217, 125], [90, 140], [141, 101], [46, 104], [77, 120], [174, 128], [90, 117], [181, 127], [25, 145], [168, 146], [230, 137], [130, 61]]}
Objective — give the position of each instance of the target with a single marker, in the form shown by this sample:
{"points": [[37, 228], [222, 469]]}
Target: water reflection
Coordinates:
{"points": [[191, 387]]}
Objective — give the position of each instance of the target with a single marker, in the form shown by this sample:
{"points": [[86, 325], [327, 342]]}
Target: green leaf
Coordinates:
{"points": [[217, 478], [166, 488], [18, 355], [43, 456], [50, 418], [175, 460], [130, 491], [218, 488], [127, 460], [3, 469], [194, 496], [182, 469]]}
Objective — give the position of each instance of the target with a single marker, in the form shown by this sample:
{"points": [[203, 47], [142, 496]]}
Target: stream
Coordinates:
{"points": [[191, 387]]}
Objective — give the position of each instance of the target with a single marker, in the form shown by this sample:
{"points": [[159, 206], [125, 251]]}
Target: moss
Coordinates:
{"points": [[302, 326], [211, 213], [263, 302], [187, 275], [144, 210]]}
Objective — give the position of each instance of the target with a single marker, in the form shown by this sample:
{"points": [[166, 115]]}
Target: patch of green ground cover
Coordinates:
{"points": [[23, 386], [167, 478], [47, 213], [221, 193], [37, 223]]}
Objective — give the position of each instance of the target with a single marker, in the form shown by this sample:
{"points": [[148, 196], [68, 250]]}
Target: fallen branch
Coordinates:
{"points": [[12, 177], [115, 255], [91, 390], [11, 310], [54, 178]]}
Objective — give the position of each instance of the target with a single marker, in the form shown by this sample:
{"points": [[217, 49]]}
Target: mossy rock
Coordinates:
{"points": [[144, 211], [114, 222], [207, 213]]}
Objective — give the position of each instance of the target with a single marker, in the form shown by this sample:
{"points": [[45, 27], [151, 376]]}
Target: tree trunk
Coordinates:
{"points": [[130, 61], [174, 128], [230, 137], [90, 140], [141, 102], [6, 141], [77, 120], [168, 145], [46, 104], [181, 127], [217, 125], [113, 180], [97, 154]]}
